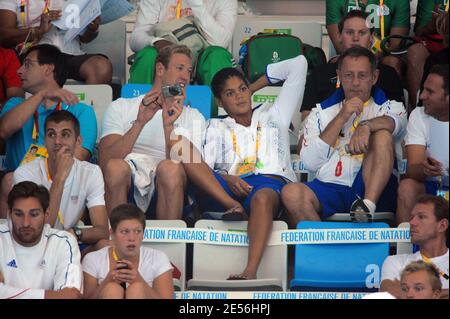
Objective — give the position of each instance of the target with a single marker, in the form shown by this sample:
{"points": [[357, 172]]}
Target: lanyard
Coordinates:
{"points": [[114, 254], [382, 19], [178, 13], [35, 134], [26, 3], [428, 261], [236, 147], [357, 120]]}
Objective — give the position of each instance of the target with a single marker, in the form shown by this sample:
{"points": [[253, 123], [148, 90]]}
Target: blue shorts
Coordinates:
{"points": [[258, 182], [431, 187], [335, 198], [151, 210]]}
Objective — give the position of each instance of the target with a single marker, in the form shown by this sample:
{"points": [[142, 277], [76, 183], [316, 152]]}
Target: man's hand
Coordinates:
{"points": [[151, 103], [350, 107], [2, 280], [64, 163], [172, 109], [62, 95], [238, 186], [47, 18], [161, 44], [359, 143], [66, 293], [432, 167]]}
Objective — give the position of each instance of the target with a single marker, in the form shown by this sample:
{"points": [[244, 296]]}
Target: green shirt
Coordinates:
{"points": [[425, 9], [396, 13]]}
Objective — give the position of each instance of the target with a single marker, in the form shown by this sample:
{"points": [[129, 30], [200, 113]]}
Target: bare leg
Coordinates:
{"points": [[301, 203], [395, 63], [136, 291], [6, 186], [96, 70], [264, 207], [417, 55], [378, 164], [117, 176], [408, 192], [171, 183], [112, 291]]}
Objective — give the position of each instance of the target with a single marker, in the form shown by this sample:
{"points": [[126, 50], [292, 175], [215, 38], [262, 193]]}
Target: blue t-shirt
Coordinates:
{"points": [[18, 144]]}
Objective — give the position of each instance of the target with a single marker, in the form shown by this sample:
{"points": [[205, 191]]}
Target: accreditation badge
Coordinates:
{"points": [[34, 152]]}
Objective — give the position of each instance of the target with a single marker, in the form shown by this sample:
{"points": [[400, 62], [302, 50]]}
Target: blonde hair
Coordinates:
{"points": [[430, 269]]}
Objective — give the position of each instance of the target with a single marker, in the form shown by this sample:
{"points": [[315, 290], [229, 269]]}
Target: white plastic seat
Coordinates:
{"points": [[404, 248], [175, 251], [212, 264]]}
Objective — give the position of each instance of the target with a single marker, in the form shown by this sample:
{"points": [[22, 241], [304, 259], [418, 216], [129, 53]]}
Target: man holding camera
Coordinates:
{"points": [[134, 150]]}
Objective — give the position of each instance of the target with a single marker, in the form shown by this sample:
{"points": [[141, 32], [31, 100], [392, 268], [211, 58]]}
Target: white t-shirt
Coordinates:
{"points": [[394, 265], [228, 145], [52, 264], [84, 187], [215, 20], [33, 11], [122, 113], [152, 264]]}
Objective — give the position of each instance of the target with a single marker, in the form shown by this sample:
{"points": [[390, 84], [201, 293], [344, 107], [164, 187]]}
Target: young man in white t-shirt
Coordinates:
{"points": [[25, 22], [73, 184], [429, 230], [126, 269], [423, 171], [133, 128], [36, 261]]}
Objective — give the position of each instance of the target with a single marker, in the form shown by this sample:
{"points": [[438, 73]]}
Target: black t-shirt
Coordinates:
{"points": [[321, 84]]}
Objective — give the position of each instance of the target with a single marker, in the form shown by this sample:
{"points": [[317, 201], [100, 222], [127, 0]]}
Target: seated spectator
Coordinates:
{"points": [[420, 280], [36, 261], [133, 133], [249, 152], [21, 121], [26, 23], [348, 144], [429, 230], [323, 82], [73, 185], [395, 18], [127, 270], [440, 57], [430, 13], [214, 20], [424, 173], [10, 83]]}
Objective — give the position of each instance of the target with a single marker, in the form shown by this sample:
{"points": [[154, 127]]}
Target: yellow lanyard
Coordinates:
{"points": [[114, 254], [179, 9], [358, 119], [382, 19], [428, 261], [236, 148], [47, 170], [24, 4]]}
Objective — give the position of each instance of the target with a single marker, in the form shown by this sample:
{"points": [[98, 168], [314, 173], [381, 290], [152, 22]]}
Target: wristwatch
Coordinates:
{"points": [[78, 233]]}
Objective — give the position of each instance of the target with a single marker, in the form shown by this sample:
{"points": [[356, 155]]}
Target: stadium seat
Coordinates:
{"points": [[404, 248], [212, 264], [99, 96], [387, 217], [175, 251], [338, 267], [198, 96]]}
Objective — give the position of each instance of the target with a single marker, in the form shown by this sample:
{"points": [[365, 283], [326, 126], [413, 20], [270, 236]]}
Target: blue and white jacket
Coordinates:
{"points": [[52, 264], [322, 159]]}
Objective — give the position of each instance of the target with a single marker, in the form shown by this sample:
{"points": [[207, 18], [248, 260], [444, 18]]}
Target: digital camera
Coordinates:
{"points": [[172, 90]]}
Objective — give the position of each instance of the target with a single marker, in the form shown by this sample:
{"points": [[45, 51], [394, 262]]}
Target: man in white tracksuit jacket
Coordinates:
{"points": [[36, 261], [349, 145]]}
